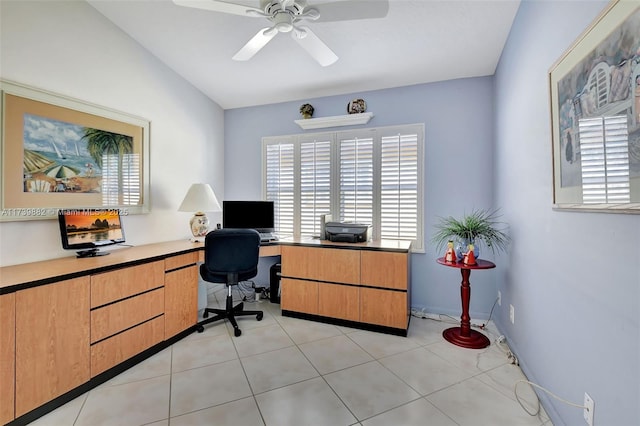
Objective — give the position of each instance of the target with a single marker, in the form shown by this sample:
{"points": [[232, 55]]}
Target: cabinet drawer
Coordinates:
{"points": [[7, 356], [384, 307], [111, 352], [299, 296], [322, 264], [115, 285], [339, 301], [175, 262], [385, 269], [111, 319]]}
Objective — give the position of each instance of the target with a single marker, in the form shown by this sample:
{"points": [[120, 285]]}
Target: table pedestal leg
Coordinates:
{"points": [[464, 336]]}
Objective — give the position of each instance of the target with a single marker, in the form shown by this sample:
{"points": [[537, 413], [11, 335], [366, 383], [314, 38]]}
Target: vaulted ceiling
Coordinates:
{"points": [[416, 42]]}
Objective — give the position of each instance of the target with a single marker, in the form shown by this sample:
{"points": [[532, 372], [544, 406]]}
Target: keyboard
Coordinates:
{"points": [[267, 236]]}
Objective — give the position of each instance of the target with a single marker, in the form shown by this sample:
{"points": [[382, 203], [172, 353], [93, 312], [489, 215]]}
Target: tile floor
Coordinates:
{"points": [[284, 371]]}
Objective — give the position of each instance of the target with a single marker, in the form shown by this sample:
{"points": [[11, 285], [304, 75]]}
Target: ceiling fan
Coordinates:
{"points": [[285, 17]]}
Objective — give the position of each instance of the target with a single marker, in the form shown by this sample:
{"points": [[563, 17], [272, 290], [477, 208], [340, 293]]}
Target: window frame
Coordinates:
{"points": [[334, 138]]}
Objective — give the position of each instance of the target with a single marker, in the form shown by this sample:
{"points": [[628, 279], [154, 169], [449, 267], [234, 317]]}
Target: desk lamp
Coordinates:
{"points": [[199, 198]]}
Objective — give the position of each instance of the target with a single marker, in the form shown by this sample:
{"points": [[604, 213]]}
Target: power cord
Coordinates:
{"points": [[515, 391]]}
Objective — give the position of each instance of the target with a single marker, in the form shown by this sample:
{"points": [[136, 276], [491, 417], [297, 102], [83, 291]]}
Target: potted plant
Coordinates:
{"points": [[481, 226]]}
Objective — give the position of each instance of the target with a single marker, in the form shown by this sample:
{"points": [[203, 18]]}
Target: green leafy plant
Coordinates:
{"points": [[479, 226]]}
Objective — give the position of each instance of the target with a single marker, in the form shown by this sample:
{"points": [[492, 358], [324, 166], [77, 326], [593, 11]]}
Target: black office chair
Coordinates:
{"points": [[230, 256]]}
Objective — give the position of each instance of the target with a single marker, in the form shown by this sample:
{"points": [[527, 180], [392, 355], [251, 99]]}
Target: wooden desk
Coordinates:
{"points": [[108, 313], [464, 336]]}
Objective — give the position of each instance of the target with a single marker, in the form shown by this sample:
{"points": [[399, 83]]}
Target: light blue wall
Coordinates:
{"points": [[458, 117], [573, 278]]}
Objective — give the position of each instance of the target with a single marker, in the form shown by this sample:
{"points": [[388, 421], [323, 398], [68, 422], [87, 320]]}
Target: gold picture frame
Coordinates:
{"points": [[595, 115], [63, 153]]}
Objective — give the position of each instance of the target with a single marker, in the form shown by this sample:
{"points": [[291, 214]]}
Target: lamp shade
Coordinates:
{"points": [[200, 198]]}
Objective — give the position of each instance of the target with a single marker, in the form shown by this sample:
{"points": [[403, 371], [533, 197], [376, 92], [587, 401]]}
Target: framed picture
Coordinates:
{"points": [[595, 115], [63, 153]]}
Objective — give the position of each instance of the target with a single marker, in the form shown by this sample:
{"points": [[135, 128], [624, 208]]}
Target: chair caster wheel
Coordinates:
{"points": [[200, 329], [259, 316], [237, 332]]}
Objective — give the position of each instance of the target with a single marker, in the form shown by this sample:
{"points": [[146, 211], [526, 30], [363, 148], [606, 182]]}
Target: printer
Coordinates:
{"points": [[347, 232]]}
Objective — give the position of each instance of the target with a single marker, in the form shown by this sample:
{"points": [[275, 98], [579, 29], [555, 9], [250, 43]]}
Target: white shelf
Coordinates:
{"points": [[334, 121]]}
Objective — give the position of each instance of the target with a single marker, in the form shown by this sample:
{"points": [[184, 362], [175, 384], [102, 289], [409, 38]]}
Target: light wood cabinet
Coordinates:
{"points": [[339, 301], [181, 293], [323, 264], [116, 285], [7, 356], [52, 342], [301, 296], [367, 288]]}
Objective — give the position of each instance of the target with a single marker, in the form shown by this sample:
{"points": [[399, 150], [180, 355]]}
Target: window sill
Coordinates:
{"points": [[334, 121]]}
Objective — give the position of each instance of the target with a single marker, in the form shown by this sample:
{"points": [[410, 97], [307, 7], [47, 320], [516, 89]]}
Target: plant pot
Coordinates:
{"points": [[461, 248]]}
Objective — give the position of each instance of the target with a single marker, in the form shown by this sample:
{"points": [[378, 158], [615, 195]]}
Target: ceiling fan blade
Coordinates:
{"points": [[255, 44], [314, 46], [221, 6], [352, 10]]}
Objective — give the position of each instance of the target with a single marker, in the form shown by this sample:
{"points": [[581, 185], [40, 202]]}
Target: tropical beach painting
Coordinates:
{"points": [[65, 157], [63, 153]]}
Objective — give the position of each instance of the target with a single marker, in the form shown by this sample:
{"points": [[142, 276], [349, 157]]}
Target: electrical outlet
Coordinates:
{"points": [[588, 409], [512, 314], [499, 298]]}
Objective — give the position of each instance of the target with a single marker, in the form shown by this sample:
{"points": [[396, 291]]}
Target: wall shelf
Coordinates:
{"points": [[334, 121]]}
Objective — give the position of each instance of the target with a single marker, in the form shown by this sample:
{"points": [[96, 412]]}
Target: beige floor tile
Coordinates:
{"points": [[381, 345], [416, 413], [370, 389], [135, 403], [65, 415], [311, 402], [334, 353], [262, 339], [208, 386], [473, 360], [193, 353], [243, 412], [277, 368], [424, 371], [302, 331], [474, 403]]}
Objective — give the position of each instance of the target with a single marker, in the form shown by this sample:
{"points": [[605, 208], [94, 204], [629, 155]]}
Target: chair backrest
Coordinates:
{"points": [[230, 255]]}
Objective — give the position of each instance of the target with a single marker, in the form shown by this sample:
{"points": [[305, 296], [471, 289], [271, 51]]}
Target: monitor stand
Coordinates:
{"points": [[91, 253]]}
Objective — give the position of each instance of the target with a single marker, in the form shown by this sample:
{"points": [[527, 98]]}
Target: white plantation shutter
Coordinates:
{"points": [[315, 184], [356, 180], [604, 156], [280, 184], [121, 187], [399, 187], [371, 176]]}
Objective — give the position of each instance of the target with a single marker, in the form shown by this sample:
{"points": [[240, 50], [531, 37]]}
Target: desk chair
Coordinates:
{"points": [[230, 255]]}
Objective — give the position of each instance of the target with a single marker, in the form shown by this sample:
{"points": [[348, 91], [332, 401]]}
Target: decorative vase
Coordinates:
{"points": [[461, 248], [356, 106]]}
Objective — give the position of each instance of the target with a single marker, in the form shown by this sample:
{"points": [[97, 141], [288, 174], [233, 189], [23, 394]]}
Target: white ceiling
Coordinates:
{"points": [[419, 41]]}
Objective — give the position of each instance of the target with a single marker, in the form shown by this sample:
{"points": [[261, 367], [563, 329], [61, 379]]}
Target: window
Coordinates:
{"points": [[604, 150], [371, 176], [121, 184]]}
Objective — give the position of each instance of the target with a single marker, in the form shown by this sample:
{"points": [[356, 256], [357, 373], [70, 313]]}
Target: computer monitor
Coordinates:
{"points": [[86, 230], [256, 215]]}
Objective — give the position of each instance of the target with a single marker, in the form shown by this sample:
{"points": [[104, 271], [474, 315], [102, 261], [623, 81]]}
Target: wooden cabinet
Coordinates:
{"points": [[181, 293], [7, 356], [301, 296], [52, 342], [127, 313], [364, 287], [339, 301]]}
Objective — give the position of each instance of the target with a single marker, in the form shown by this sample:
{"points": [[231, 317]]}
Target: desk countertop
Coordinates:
{"points": [[16, 277]]}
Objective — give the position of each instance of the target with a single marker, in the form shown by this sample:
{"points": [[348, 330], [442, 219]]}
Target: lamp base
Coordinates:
{"points": [[199, 226]]}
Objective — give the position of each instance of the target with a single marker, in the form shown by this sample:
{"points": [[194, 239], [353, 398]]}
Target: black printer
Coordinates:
{"points": [[347, 232]]}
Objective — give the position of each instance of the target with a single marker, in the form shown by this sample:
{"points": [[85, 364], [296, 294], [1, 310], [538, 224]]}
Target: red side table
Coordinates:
{"points": [[464, 336]]}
